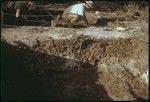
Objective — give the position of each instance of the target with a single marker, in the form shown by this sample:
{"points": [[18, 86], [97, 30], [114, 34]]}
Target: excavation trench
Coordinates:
{"points": [[30, 75], [30, 18], [80, 63], [47, 18], [37, 66]]}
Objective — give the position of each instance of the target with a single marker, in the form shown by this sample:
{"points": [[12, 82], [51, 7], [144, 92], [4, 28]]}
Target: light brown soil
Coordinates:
{"points": [[56, 63], [82, 68]]}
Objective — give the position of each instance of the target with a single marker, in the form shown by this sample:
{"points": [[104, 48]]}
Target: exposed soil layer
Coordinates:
{"points": [[36, 66], [107, 60]]}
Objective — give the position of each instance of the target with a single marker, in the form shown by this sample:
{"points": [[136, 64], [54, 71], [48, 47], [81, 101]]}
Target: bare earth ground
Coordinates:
{"points": [[78, 63]]}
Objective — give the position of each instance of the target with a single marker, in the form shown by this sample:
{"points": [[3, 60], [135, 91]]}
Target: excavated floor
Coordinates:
{"points": [[56, 63]]}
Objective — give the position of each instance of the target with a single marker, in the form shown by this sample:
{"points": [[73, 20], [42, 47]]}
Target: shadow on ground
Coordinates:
{"points": [[29, 75]]}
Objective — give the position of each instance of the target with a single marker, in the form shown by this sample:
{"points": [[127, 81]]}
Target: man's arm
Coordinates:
{"points": [[85, 19]]}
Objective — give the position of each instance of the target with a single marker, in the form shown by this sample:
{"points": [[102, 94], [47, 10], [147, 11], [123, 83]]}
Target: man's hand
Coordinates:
{"points": [[97, 13]]}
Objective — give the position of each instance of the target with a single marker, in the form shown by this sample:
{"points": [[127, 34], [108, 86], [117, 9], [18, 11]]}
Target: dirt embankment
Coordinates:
{"points": [[120, 63], [93, 63], [81, 68]]}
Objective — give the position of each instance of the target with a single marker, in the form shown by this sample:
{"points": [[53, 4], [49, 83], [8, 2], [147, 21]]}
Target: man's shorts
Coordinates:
{"points": [[68, 17]]}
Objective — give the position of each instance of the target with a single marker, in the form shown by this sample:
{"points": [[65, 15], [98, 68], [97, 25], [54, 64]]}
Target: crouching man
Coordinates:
{"points": [[76, 13], [22, 6]]}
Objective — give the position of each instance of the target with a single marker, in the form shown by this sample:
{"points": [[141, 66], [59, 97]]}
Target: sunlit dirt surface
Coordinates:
{"points": [[56, 63]]}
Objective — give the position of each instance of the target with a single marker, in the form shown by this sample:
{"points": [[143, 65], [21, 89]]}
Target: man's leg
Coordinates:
{"points": [[70, 18], [65, 18], [73, 18], [17, 12], [2, 15]]}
